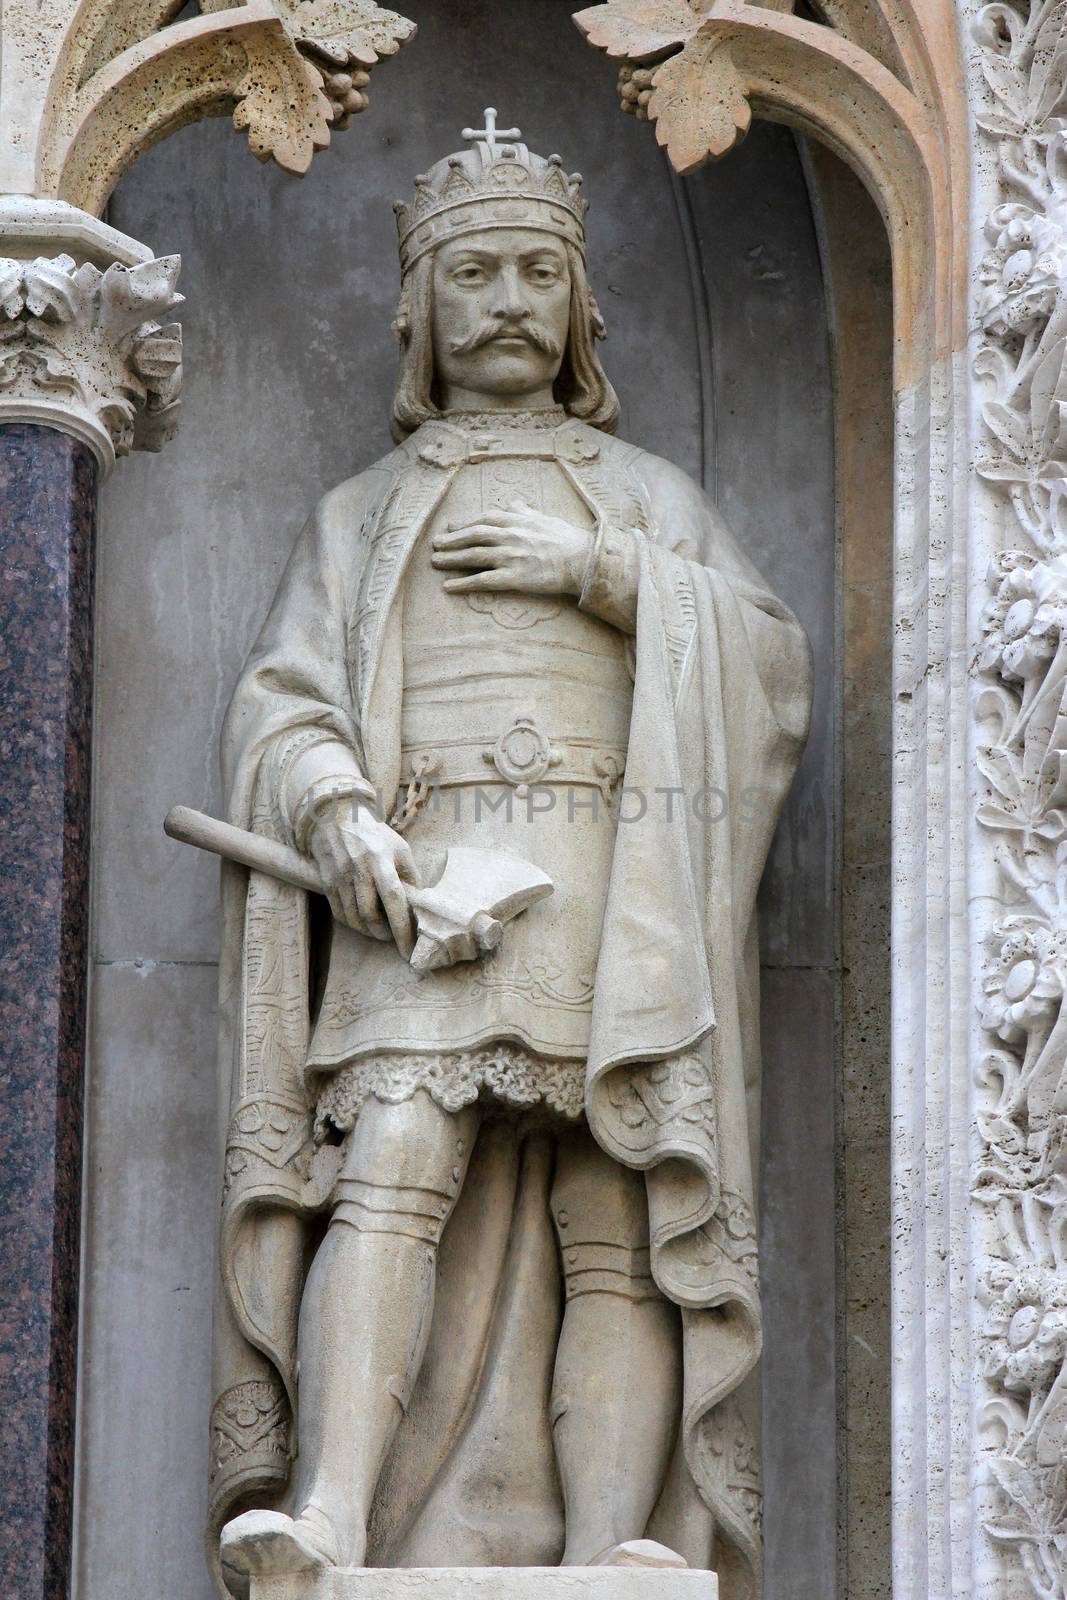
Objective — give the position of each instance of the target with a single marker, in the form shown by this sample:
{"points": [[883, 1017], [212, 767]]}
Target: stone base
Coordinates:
{"points": [[490, 1583]]}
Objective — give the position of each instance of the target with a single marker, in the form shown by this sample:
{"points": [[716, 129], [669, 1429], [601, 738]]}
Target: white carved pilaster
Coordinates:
{"points": [[1021, 1177]]}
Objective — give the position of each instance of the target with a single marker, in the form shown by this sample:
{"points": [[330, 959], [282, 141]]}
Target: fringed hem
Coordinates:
{"points": [[502, 1074]]}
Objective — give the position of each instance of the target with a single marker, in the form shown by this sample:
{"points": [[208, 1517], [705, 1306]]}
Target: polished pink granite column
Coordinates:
{"points": [[48, 484]]}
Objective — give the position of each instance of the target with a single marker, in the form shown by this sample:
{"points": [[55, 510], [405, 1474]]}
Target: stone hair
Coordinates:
{"points": [[582, 387]]}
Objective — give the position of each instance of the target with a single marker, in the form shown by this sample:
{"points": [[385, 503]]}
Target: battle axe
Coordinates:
{"points": [[458, 917]]}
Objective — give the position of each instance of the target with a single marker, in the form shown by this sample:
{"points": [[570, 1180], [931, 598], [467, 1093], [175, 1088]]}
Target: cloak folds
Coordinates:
{"points": [[720, 711]]}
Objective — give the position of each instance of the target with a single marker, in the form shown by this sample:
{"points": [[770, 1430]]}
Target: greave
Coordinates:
{"points": [[617, 1386], [364, 1323]]}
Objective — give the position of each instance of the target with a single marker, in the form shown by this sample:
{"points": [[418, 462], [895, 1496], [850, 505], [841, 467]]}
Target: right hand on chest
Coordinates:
{"points": [[365, 865]]}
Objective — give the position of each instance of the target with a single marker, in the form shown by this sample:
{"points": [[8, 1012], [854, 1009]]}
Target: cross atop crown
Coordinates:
{"points": [[490, 133], [495, 183]]}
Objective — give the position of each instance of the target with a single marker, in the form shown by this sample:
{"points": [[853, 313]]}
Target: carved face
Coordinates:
{"points": [[501, 311]]}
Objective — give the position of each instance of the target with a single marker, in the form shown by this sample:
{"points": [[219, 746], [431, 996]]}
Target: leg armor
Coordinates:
{"points": [[601, 1216], [364, 1318], [617, 1386]]}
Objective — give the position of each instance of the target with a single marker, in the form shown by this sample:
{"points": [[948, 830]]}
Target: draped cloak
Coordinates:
{"points": [[722, 688]]}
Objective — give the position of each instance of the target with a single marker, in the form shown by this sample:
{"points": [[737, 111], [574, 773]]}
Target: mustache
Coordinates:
{"points": [[492, 329]]}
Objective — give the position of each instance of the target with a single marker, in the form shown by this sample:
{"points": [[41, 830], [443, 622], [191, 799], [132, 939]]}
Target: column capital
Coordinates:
{"points": [[87, 85], [82, 344]]}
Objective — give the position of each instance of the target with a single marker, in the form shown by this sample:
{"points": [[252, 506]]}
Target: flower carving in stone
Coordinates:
{"points": [[1022, 271], [1025, 982], [1022, 659], [1023, 622], [1025, 1331], [86, 347], [1024, 1346]]}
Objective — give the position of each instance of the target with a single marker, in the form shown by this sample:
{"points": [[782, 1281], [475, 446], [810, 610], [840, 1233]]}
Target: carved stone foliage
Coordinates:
{"points": [[872, 83], [86, 85], [677, 71], [84, 348], [696, 68], [1022, 1173]]}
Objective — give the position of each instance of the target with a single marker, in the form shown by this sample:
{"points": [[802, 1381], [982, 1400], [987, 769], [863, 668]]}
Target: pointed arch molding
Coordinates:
{"points": [[87, 85], [868, 86], [943, 110]]}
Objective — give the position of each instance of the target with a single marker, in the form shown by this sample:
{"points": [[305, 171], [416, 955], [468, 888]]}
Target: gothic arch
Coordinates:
{"points": [[708, 67]]}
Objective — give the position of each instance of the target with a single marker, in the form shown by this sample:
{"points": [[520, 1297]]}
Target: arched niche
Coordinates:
{"points": [[732, 297], [891, 88]]}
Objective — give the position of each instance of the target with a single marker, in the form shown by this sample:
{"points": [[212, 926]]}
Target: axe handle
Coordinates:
{"points": [[248, 849]]}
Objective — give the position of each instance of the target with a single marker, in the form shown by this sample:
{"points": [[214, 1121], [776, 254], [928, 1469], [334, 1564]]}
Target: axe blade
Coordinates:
{"points": [[463, 913]]}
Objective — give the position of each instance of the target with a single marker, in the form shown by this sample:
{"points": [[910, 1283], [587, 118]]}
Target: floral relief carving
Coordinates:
{"points": [[1022, 662]]}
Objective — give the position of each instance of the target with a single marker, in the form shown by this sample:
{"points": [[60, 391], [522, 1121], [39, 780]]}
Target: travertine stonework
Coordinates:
{"points": [[874, 84], [86, 87]]}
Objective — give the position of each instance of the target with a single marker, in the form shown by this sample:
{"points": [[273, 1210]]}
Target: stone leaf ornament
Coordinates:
{"points": [[92, 340], [678, 72], [694, 68], [111, 77], [1022, 665]]}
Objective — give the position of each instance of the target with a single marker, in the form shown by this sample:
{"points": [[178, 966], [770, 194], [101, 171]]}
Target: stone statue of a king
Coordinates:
{"points": [[488, 1288]]}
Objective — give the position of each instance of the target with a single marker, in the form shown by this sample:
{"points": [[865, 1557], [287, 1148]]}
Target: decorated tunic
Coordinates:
{"points": [[514, 720]]}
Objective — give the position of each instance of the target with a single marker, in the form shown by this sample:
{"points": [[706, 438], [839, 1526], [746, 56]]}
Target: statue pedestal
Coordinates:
{"points": [[491, 1583]]}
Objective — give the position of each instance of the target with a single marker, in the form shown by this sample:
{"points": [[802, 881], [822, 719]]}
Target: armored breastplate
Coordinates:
{"points": [[513, 687]]}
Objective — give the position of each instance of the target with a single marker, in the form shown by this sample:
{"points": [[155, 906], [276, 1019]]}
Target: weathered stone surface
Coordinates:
{"points": [[491, 1583], [81, 348], [85, 92]]}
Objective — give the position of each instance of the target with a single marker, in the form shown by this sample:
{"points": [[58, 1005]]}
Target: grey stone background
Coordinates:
{"points": [[719, 348]]}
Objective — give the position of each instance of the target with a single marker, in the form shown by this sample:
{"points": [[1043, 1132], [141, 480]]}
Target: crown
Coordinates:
{"points": [[496, 184]]}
